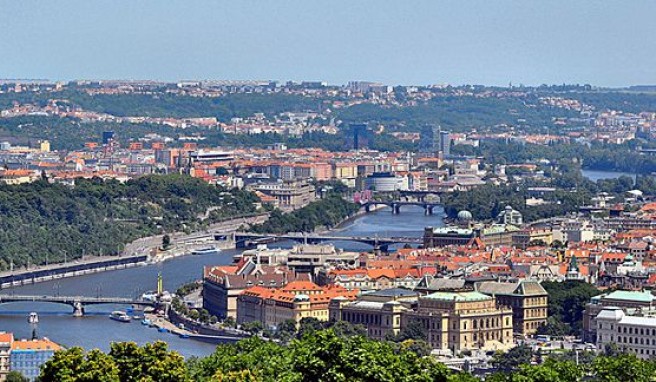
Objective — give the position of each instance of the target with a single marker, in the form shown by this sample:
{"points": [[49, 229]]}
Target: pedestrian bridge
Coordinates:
{"points": [[77, 302]]}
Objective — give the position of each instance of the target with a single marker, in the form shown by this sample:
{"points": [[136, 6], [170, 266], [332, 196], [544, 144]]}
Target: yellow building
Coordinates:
{"points": [[44, 146], [463, 320], [453, 321], [527, 299], [379, 311], [294, 301]]}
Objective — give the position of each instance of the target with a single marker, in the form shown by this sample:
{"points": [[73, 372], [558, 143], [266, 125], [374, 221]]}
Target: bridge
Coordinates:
{"points": [[77, 302], [245, 239], [396, 205]]}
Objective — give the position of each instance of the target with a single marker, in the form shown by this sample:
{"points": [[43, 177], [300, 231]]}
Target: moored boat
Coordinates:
{"points": [[206, 251], [33, 318], [120, 316]]}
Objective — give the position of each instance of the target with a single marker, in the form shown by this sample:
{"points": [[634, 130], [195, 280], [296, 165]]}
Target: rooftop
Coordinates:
{"points": [[458, 296]]}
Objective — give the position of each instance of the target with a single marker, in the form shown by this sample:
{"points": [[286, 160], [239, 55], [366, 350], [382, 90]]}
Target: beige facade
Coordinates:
{"points": [[289, 194], [463, 320], [295, 301], [453, 321], [527, 299]]}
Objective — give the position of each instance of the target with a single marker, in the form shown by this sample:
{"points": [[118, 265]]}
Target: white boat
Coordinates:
{"points": [[33, 318], [120, 316], [206, 251]]}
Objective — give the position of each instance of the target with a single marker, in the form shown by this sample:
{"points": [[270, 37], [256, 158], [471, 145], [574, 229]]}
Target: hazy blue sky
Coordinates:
{"points": [[602, 42]]}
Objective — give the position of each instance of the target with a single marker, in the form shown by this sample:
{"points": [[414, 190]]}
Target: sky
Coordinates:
{"points": [[404, 42]]}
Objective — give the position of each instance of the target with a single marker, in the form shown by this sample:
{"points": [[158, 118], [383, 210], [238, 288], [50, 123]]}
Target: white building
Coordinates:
{"points": [[631, 333]]}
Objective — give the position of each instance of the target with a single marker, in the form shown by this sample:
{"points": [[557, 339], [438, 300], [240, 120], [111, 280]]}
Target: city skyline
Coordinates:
{"points": [[471, 42]]}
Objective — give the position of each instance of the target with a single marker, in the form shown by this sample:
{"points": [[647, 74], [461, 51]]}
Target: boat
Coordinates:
{"points": [[184, 335], [206, 251], [33, 318], [120, 316], [162, 330]]}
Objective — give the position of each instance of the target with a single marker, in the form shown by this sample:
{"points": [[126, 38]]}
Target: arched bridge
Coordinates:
{"points": [[77, 302], [245, 239], [397, 204]]}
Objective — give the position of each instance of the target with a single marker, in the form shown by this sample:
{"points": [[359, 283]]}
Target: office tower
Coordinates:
{"points": [[107, 136], [361, 135]]}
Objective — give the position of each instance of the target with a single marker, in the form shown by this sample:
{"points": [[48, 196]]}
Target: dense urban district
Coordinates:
{"points": [[535, 271]]}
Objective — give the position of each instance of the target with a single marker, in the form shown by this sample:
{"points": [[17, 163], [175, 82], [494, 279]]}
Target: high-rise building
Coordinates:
{"points": [[445, 143], [107, 136], [361, 135], [435, 141]]}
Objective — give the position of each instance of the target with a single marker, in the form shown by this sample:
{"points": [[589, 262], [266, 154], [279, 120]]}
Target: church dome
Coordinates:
{"points": [[465, 215]]}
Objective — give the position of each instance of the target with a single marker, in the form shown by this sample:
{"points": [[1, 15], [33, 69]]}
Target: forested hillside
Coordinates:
{"points": [[98, 217]]}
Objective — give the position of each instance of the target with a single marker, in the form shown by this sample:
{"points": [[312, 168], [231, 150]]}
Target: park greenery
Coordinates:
{"points": [[43, 221], [323, 213], [567, 302], [329, 355]]}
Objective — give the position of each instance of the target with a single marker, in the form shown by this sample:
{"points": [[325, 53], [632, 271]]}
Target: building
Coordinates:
{"points": [[452, 321], [223, 284], [6, 342], [361, 136], [211, 156], [294, 301], [380, 311], [445, 144], [369, 279], [435, 141], [491, 235], [633, 334], [107, 137], [458, 321], [528, 236], [386, 182], [309, 258], [527, 299], [27, 356], [628, 301], [510, 216], [291, 195]]}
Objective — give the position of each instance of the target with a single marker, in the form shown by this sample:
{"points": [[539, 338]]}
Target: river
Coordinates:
{"points": [[95, 330], [595, 175]]}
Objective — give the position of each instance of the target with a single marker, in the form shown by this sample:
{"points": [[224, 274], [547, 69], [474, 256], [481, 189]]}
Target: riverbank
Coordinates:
{"points": [[140, 252]]}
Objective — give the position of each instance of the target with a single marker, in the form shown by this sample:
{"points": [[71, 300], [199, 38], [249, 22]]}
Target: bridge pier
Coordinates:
{"points": [[78, 309], [428, 209]]}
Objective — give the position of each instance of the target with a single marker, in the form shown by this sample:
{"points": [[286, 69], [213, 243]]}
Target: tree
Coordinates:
{"points": [[553, 327], [229, 322], [253, 327], [346, 329], [622, 368], [567, 302], [413, 331], [308, 325], [166, 242], [72, 365], [16, 376], [286, 330], [512, 359]]}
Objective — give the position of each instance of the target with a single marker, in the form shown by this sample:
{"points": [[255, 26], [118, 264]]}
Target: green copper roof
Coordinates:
{"points": [[458, 296], [644, 296]]}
